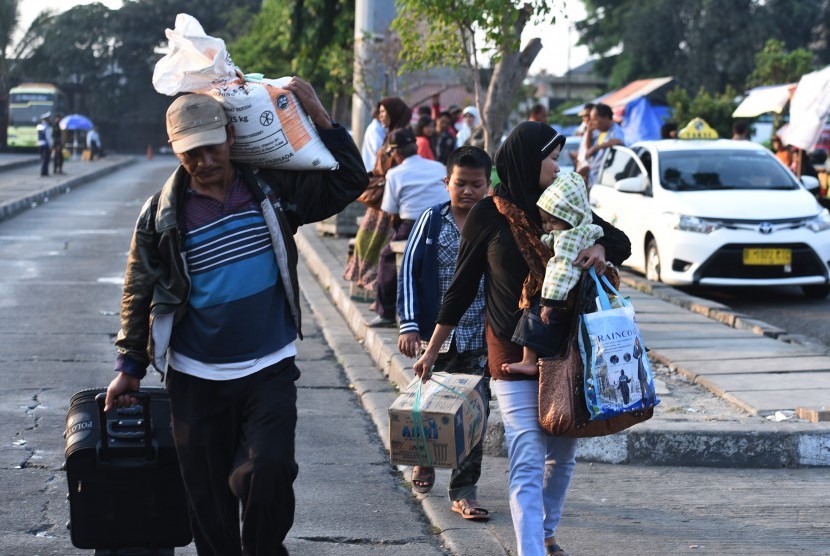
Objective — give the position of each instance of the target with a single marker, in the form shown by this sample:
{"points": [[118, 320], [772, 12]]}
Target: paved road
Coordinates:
{"points": [[60, 270], [60, 274]]}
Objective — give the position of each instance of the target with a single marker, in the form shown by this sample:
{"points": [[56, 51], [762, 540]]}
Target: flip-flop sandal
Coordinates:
{"points": [[423, 479], [469, 509]]}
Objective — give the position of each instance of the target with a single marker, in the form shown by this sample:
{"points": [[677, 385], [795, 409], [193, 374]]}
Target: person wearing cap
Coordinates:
{"points": [[501, 241], [211, 299], [413, 185], [44, 143]]}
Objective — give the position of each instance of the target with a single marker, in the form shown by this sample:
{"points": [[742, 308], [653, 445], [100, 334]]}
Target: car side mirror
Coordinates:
{"points": [[810, 183], [637, 184]]}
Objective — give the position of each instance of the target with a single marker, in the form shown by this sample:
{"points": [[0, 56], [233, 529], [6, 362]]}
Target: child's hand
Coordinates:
{"points": [[423, 366], [409, 344], [545, 314]]}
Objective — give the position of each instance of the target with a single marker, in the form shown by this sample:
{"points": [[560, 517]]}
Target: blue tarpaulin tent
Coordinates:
{"points": [[643, 120]]}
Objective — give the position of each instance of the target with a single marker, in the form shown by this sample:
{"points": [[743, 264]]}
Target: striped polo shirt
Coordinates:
{"points": [[237, 319]]}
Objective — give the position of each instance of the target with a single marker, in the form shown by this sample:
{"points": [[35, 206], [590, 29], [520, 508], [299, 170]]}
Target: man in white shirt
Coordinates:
{"points": [[93, 143], [412, 186], [44, 143]]}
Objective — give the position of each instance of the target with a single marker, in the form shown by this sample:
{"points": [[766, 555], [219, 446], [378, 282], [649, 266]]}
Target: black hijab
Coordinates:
{"points": [[519, 161]]}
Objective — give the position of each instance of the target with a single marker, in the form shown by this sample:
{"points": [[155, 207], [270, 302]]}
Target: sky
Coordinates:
{"points": [[555, 57]]}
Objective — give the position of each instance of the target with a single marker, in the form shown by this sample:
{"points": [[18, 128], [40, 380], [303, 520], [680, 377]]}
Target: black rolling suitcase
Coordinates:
{"points": [[125, 489]]}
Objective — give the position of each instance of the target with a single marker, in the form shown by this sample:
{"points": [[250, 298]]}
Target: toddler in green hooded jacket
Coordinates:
{"points": [[567, 222]]}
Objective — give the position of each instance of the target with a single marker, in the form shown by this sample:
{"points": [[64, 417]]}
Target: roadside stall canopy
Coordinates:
{"points": [[654, 89], [760, 100], [809, 109]]}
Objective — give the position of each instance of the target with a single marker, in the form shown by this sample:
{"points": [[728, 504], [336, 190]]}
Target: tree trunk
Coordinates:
{"points": [[508, 76]]}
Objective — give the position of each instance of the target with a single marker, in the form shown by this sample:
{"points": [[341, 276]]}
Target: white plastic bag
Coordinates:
{"points": [[271, 129]]}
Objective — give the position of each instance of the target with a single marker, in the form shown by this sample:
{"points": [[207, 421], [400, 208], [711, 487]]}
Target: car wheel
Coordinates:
{"points": [[652, 261], [816, 292]]}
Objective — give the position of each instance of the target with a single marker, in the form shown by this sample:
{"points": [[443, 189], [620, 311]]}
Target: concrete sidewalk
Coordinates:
{"points": [[688, 510], [22, 187], [350, 500], [743, 361], [756, 374]]}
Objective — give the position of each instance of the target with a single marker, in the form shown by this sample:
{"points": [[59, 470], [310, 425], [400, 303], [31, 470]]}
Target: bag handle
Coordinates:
{"points": [[604, 301]]}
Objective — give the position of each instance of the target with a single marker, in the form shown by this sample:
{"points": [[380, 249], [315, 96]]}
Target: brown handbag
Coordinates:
{"points": [[372, 196], [562, 408]]}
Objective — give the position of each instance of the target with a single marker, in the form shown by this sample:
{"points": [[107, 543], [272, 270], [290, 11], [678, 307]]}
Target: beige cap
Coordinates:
{"points": [[195, 121]]}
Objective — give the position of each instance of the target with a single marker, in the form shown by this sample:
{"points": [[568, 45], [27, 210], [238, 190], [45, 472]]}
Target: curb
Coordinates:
{"points": [[20, 163], [699, 445], [376, 394], [717, 311], [13, 208]]}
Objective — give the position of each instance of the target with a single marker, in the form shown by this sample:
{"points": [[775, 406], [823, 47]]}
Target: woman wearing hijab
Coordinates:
{"points": [[470, 123], [375, 229], [500, 240]]}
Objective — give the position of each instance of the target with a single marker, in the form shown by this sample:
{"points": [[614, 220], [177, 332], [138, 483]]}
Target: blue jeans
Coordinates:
{"points": [[541, 466]]}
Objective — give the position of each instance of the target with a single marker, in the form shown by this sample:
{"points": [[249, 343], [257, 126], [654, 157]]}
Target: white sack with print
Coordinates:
{"points": [[271, 129]]}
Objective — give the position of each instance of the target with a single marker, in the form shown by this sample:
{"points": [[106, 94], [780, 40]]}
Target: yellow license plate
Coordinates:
{"points": [[770, 257]]}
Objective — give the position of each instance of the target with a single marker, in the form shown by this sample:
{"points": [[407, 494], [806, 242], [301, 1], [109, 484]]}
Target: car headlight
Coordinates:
{"points": [[821, 222], [691, 223]]}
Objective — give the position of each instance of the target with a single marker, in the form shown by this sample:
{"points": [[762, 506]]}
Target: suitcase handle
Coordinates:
{"points": [[109, 430]]}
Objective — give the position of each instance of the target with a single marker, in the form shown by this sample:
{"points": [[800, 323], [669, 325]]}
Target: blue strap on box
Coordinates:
{"points": [[424, 457]]}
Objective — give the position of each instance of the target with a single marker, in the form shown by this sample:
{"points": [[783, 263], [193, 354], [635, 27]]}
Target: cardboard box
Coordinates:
{"points": [[452, 423]]}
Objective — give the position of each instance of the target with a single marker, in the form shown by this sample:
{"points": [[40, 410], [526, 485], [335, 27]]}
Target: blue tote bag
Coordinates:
{"points": [[618, 376]]}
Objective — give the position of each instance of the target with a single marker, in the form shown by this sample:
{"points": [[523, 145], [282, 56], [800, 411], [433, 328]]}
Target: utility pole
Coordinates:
{"points": [[371, 25]]}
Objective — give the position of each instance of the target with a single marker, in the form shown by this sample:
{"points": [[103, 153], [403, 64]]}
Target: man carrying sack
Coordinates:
{"points": [[211, 298]]}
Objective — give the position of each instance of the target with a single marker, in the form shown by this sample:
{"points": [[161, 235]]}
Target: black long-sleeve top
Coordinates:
{"points": [[487, 248]]}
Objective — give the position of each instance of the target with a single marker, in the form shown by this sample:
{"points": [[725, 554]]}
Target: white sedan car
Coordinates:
{"points": [[715, 213]]}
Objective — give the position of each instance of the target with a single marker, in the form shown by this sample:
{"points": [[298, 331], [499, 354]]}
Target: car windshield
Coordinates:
{"points": [[701, 170]]}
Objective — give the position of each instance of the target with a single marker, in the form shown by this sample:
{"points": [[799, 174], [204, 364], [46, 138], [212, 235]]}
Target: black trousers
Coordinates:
{"points": [[45, 155], [57, 158], [235, 442], [386, 288]]}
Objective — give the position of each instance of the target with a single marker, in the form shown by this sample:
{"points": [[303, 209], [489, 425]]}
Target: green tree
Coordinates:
{"points": [[715, 109], [432, 31], [74, 50], [774, 65], [310, 38], [105, 59], [8, 26], [704, 43]]}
